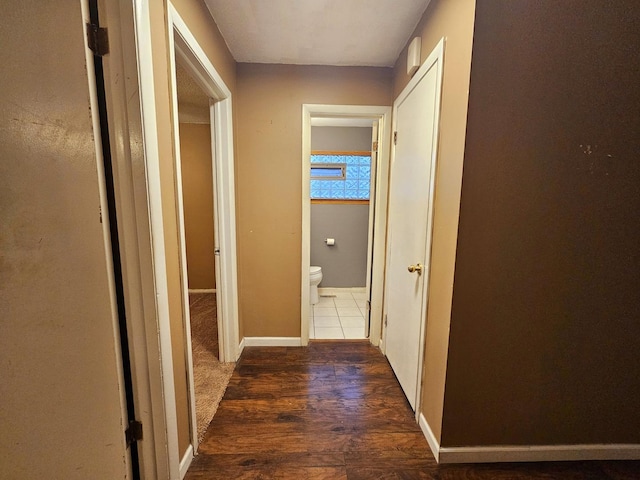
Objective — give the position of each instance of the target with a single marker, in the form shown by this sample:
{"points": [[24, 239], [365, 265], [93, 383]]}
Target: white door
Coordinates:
{"points": [[61, 407], [410, 217]]}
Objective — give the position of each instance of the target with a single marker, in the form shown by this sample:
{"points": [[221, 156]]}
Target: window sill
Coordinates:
{"points": [[335, 201]]}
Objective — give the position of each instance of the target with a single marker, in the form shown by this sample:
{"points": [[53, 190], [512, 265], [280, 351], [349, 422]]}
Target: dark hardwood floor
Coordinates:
{"points": [[335, 411]]}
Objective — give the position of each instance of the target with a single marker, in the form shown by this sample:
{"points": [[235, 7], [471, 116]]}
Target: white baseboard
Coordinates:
{"points": [[335, 290], [539, 453], [526, 453], [202, 290], [434, 445], [272, 342], [240, 349], [185, 463]]}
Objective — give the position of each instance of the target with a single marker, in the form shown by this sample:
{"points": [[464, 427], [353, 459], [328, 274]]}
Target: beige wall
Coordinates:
{"points": [[197, 194], [269, 180], [544, 330], [452, 19], [196, 16]]}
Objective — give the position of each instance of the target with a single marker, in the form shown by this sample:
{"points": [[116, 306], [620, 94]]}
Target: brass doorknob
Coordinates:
{"points": [[415, 268]]}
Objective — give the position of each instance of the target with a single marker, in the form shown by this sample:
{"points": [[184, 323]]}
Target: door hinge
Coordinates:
{"points": [[100, 212], [385, 319], [216, 252], [368, 304], [134, 432], [395, 138], [97, 39], [374, 148]]}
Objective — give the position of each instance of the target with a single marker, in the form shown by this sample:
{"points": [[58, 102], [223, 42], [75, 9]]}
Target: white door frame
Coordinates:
{"points": [[435, 57], [375, 134], [134, 142], [135, 155], [383, 116], [183, 44]]}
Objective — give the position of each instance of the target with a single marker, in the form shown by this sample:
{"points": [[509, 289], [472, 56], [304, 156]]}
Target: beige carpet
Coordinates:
{"points": [[210, 376]]}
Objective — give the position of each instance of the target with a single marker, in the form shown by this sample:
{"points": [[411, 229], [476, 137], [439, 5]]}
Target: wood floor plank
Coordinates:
{"points": [[627, 470], [301, 459], [272, 472], [508, 471], [389, 458], [391, 473], [335, 411]]}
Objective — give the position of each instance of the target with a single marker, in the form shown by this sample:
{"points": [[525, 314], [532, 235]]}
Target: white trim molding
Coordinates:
{"points": [[381, 114], [434, 445], [191, 55], [185, 463], [539, 453], [161, 391], [527, 453], [271, 342], [333, 291], [184, 48]]}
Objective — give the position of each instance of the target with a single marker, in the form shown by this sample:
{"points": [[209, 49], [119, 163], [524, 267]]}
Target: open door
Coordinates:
{"points": [[63, 412], [372, 204], [340, 115]]}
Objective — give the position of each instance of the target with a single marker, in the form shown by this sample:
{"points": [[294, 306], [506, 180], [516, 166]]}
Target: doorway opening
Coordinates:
{"points": [[202, 309], [204, 182], [345, 166]]}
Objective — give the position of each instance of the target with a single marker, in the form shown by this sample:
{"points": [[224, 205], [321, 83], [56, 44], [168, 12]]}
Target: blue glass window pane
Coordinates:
{"points": [[355, 184], [352, 172], [364, 172], [326, 172]]}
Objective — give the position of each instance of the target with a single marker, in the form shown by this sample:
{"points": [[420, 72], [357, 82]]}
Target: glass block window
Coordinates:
{"points": [[353, 185], [328, 171]]}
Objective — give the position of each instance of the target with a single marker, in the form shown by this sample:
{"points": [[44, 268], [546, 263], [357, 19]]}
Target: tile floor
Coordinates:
{"points": [[339, 314]]}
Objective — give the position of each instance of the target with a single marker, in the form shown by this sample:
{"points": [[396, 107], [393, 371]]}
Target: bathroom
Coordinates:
{"points": [[340, 229]]}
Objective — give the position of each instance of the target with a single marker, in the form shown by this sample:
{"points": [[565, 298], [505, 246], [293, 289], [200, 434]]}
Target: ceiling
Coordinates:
{"points": [[193, 103], [317, 32]]}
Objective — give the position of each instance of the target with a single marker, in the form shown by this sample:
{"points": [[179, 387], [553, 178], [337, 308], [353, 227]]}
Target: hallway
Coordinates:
{"points": [[335, 411]]}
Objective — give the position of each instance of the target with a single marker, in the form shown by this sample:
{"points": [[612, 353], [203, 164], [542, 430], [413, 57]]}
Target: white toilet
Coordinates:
{"points": [[315, 277]]}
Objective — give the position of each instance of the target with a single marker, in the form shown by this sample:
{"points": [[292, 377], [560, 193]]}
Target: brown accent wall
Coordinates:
{"points": [[197, 193], [197, 17], [452, 19], [544, 331], [269, 179]]}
